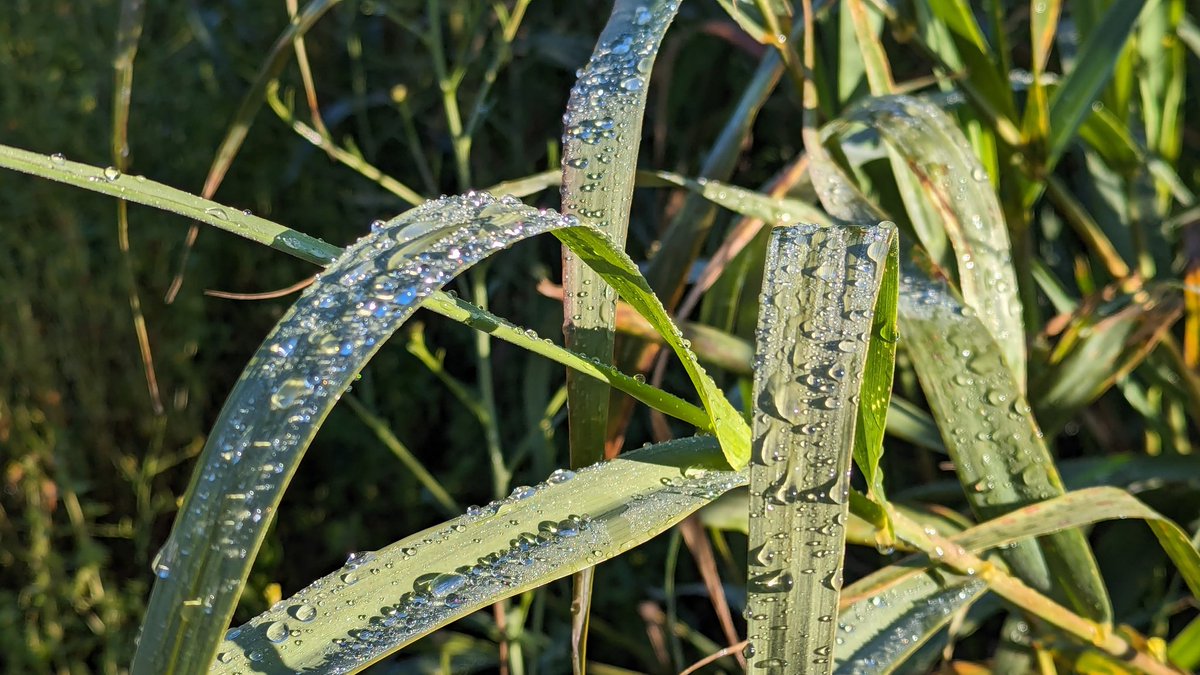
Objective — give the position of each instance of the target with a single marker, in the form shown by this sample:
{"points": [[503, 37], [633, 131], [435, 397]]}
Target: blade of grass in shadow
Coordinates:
{"points": [[1116, 329], [814, 331], [570, 521], [129, 34], [278, 57], [1073, 98], [383, 432]]}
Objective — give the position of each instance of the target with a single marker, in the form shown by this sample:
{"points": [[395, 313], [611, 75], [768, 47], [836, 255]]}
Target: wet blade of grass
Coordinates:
{"points": [[602, 131], [998, 450], [878, 634], [909, 597], [570, 521], [622, 274], [815, 324], [999, 454], [150, 193], [957, 187], [287, 389]]}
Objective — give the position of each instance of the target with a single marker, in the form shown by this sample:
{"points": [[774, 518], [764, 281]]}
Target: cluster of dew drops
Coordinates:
{"points": [[313, 355], [805, 352]]}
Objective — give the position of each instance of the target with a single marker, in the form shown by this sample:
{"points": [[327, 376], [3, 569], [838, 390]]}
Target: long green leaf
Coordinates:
{"points": [[1073, 98], [381, 601], [602, 132], [287, 389], [619, 270], [957, 187], [814, 331], [999, 454], [960, 366]]}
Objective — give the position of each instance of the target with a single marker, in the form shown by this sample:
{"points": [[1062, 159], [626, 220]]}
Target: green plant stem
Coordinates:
{"points": [[953, 556]]}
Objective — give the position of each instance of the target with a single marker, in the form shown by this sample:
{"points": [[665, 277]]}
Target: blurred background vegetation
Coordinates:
{"points": [[94, 461]]}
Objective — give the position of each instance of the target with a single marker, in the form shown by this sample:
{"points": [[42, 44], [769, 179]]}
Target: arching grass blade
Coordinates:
{"points": [[288, 388]]}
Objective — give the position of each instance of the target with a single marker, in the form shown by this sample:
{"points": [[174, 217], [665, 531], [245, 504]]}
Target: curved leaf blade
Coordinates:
{"points": [[305, 364], [998, 450], [619, 270], [425, 581], [957, 187]]}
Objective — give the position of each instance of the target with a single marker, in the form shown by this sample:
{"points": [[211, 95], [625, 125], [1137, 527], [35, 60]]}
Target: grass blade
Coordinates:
{"points": [[602, 131], [998, 451], [958, 189], [877, 634], [622, 274], [957, 359], [1072, 100], [815, 319], [291, 384], [541, 533]]}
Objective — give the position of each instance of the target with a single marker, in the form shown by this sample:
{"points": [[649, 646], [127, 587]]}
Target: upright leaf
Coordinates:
{"points": [[957, 187], [601, 135], [814, 327]]}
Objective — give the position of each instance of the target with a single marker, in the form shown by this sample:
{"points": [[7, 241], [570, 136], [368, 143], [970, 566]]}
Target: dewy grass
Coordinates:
{"points": [[835, 315]]}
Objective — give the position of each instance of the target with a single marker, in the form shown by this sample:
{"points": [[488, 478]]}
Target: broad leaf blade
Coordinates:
{"points": [[814, 325], [602, 132], [956, 186], [381, 601], [998, 451]]}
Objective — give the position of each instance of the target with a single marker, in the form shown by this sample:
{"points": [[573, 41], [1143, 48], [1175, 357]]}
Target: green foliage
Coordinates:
{"points": [[1031, 315]]}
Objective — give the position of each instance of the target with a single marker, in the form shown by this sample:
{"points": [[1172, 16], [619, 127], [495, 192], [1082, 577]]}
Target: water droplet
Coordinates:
{"points": [[560, 476], [777, 581], [522, 492], [277, 631], [58, 158], [290, 393], [217, 213], [111, 173], [302, 612]]}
